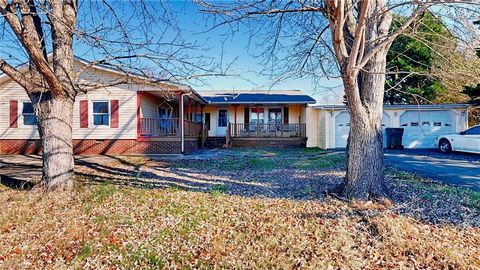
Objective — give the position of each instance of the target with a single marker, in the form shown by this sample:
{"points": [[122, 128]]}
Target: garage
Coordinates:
{"points": [[421, 123], [422, 127], [342, 128]]}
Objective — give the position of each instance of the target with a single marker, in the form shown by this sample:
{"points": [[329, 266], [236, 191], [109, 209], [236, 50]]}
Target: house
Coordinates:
{"points": [[139, 117], [329, 124], [142, 116], [257, 118]]}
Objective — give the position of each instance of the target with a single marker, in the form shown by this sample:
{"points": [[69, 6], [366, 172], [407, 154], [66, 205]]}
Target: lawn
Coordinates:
{"points": [[238, 209]]}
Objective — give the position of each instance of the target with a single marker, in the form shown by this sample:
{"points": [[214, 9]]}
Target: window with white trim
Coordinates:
{"points": [[101, 113], [28, 114]]}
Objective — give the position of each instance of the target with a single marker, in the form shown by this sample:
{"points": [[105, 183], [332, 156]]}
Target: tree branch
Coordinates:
{"points": [[391, 37], [16, 75]]}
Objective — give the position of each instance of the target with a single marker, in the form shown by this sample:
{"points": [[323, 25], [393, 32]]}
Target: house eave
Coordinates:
{"points": [[400, 107]]}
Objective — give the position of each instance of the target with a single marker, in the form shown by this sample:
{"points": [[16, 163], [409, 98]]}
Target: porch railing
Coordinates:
{"points": [[268, 130], [168, 127]]}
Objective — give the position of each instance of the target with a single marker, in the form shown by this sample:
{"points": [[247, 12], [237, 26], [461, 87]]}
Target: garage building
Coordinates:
{"points": [[329, 125]]}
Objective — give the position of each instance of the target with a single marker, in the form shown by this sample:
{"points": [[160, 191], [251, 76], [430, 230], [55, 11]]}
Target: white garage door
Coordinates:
{"points": [[422, 127], [342, 128]]}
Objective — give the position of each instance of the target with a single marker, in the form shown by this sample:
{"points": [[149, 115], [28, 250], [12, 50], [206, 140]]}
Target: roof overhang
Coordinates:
{"points": [[401, 107]]}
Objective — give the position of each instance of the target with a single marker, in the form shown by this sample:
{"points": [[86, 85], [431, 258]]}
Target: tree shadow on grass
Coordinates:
{"points": [[272, 181], [270, 184]]}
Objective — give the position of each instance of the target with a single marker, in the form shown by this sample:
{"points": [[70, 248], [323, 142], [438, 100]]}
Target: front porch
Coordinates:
{"points": [[270, 130], [267, 126], [174, 119]]}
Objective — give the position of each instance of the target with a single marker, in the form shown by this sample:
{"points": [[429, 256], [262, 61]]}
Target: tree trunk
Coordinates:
{"points": [[55, 127], [365, 177]]}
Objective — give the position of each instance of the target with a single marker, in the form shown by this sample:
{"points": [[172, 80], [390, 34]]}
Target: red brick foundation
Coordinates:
{"points": [[104, 147], [269, 142]]}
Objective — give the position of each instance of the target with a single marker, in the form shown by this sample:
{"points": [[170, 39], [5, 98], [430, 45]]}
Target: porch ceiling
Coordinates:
{"points": [[172, 97]]}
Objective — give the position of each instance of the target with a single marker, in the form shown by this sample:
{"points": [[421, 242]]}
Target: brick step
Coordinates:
{"points": [[215, 142]]}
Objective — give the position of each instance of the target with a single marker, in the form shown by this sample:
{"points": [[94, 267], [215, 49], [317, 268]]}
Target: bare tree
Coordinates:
{"points": [[338, 38], [118, 34]]}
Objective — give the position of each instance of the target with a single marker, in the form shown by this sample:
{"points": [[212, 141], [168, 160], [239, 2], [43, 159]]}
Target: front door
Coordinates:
{"points": [[222, 122]]}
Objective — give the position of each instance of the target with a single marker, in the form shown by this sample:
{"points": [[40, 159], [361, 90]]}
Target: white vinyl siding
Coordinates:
{"points": [[313, 131], [12, 91], [125, 94], [127, 110]]}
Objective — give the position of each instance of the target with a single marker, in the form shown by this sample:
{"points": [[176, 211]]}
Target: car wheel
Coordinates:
{"points": [[445, 146]]}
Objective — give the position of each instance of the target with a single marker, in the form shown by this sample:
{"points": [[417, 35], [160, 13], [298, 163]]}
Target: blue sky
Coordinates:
{"points": [[246, 66]]}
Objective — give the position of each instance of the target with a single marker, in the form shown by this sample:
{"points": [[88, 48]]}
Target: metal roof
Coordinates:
{"points": [[257, 97]]}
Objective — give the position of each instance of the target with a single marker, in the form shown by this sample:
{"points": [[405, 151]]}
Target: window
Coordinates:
{"points": [[437, 124], [414, 124], [164, 113], [473, 131], [257, 115], [29, 118], [222, 118], [101, 113], [196, 117], [275, 116]]}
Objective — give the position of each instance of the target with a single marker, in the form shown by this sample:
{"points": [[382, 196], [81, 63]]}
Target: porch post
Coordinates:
{"points": [[300, 131], [258, 119], [235, 120], [180, 112], [281, 121], [181, 122], [139, 119], [189, 116]]}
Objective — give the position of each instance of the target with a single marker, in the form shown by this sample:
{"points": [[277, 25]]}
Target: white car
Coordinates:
{"points": [[465, 141]]}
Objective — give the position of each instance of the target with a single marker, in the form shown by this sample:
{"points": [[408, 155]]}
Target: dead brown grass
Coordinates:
{"points": [[111, 227]]}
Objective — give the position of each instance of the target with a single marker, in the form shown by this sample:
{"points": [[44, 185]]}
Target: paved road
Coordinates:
{"points": [[455, 168]]}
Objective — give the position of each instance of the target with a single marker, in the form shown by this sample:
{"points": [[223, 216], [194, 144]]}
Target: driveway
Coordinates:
{"points": [[456, 168]]}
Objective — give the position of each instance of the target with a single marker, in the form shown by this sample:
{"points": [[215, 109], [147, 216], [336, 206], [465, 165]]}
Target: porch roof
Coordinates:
{"points": [[257, 97]]}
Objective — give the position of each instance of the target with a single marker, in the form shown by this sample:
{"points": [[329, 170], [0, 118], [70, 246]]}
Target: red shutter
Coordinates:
{"points": [[13, 113], [114, 109], [83, 113]]}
